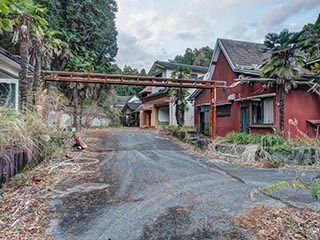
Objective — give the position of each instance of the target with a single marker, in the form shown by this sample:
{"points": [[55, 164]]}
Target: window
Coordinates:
{"points": [[262, 111], [224, 110], [224, 92], [194, 76]]}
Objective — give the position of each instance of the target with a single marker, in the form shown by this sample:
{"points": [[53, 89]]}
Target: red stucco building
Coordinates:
{"points": [[247, 104]]}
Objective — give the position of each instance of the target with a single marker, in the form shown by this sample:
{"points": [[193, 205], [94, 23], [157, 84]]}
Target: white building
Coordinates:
{"points": [[159, 108]]}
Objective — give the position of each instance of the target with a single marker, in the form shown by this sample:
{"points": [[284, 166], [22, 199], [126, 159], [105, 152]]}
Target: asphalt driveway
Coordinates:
{"points": [[149, 188]]}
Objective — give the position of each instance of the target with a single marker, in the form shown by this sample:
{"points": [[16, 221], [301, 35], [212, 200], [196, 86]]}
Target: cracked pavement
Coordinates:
{"points": [[156, 190]]}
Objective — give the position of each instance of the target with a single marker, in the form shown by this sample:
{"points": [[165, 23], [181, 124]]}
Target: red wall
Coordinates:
{"points": [[301, 106]]}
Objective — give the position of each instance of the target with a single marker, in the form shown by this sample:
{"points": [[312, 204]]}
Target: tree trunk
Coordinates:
{"points": [[75, 102], [24, 41], [37, 73], [180, 108], [282, 94]]}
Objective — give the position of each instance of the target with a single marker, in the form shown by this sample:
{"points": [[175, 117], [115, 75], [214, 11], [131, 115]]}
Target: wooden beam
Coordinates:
{"points": [[97, 78]]}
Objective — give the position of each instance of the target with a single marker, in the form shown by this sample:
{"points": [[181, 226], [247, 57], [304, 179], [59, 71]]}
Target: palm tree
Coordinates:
{"points": [[179, 95], [29, 22], [282, 65]]}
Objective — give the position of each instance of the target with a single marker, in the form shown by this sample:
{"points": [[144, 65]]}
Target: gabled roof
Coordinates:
{"points": [[243, 57], [133, 106], [169, 65], [147, 89], [121, 100], [244, 54]]}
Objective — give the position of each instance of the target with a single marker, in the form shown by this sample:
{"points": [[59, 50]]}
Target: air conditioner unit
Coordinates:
{"points": [[9, 93]]}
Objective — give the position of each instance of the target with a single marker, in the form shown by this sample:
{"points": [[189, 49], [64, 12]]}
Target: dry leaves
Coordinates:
{"points": [[24, 208], [281, 223]]}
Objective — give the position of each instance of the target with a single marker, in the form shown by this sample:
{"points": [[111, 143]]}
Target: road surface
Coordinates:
{"points": [[150, 188]]}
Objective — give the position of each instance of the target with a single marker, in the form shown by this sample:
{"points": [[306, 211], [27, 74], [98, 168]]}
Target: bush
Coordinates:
{"points": [[173, 130]]}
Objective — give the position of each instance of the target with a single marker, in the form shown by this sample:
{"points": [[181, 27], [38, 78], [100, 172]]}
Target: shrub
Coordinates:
{"points": [[267, 140], [315, 189]]}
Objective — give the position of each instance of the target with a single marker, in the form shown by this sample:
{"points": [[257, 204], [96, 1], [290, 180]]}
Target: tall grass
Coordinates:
{"points": [[29, 131]]}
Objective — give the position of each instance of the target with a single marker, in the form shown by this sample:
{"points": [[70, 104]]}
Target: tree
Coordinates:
{"points": [[130, 90], [88, 27], [310, 40], [198, 57], [179, 95], [6, 24], [28, 19], [282, 65]]}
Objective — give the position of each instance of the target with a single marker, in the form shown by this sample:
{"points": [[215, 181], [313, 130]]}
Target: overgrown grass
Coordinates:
{"points": [[29, 130], [267, 140]]}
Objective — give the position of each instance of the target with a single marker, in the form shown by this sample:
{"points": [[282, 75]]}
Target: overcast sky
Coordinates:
{"points": [[151, 30]]}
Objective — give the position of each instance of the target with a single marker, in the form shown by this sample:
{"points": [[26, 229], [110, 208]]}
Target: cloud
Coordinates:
{"points": [[278, 15], [151, 30]]}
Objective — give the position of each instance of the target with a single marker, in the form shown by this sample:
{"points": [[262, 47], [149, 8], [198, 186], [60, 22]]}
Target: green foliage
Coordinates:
{"points": [[309, 41], [6, 24], [315, 189], [172, 130], [198, 57], [88, 27], [285, 58], [267, 140], [130, 90]]}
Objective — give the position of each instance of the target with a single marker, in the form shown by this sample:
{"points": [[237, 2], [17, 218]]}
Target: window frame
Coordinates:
{"points": [[262, 123]]}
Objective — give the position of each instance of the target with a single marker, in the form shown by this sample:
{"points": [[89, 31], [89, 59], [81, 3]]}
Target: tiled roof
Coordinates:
{"points": [[147, 89], [174, 65], [121, 100], [133, 106], [244, 55]]}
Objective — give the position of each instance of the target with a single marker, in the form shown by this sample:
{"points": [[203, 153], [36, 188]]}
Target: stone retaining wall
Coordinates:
{"points": [[298, 156], [13, 161]]}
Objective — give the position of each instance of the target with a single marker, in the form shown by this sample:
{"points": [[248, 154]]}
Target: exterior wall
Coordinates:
{"points": [[226, 124], [9, 68], [9, 74], [301, 106], [189, 113]]}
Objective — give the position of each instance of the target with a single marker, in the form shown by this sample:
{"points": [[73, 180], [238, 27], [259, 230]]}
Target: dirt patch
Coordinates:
{"points": [[25, 207], [281, 223], [176, 224]]}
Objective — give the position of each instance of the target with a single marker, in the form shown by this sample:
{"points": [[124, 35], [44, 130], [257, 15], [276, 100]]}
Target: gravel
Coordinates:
{"points": [[158, 191]]}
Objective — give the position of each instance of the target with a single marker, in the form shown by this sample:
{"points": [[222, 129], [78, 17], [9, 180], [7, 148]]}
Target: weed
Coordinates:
{"points": [[267, 140], [315, 189]]}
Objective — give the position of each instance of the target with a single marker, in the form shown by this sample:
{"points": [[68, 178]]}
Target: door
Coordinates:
{"points": [[244, 118]]}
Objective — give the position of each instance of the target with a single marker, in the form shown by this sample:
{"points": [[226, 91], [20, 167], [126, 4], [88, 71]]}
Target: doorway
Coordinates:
{"points": [[244, 117]]}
